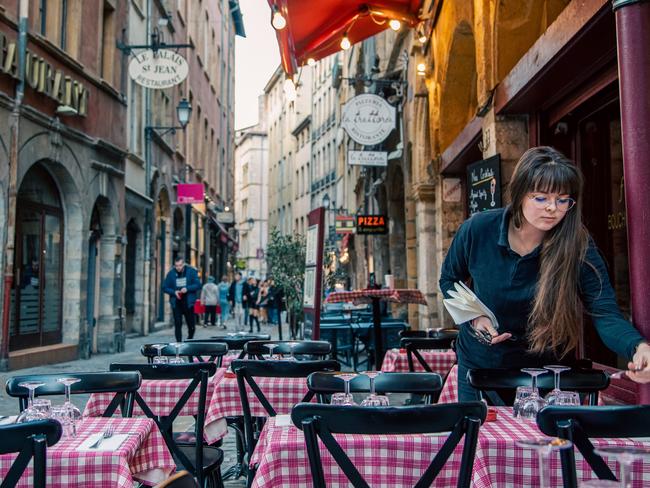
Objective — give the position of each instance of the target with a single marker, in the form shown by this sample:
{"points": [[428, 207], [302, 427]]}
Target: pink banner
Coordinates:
{"points": [[188, 193]]}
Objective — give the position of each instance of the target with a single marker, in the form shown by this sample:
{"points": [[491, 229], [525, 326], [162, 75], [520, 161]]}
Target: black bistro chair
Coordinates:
{"points": [[414, 345], [202, 461], [248, 370], [578, 424], [236, 342], [427, 385], [301, 349], [498, 386], [321, 421], [192, 351], [29, 440], [123, 384], [182, 479]]}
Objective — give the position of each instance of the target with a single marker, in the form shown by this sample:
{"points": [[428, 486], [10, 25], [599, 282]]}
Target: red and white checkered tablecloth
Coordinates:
{"points": [[142, 457], [282, 394], [389, 460], [449, 393], [387, 294], [161, 396], [396, 360]]}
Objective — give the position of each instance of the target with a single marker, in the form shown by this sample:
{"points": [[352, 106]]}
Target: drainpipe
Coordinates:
{"points": [[146, 304], [23, 11], [633, 39]]}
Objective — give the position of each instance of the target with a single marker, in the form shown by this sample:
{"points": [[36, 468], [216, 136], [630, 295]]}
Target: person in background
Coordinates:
{"points": [[224, 290], [253, 292], [210, 298], [271, 308], [263, 302], [181, 284], [236, 298]]}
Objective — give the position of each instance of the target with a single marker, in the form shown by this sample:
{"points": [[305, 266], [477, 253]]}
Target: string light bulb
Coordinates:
{"points": [[311, 62], [421, 69], [278, 21], [395, 24], [345, 42], [422, 38]]}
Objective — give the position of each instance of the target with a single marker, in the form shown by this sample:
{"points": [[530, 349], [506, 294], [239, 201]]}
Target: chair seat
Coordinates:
{"points": [[212, 457]]}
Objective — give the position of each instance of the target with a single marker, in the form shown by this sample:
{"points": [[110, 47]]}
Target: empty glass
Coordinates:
{"points": [[75, 413], [533, 403], [271, 347], [62, 414], [552, 396], [44, 407], [521, 393], [344, 398], [292, 346], [625, 455], [568, 398], [374, 400], [160, 359], [177, 359], [29, 413], [544, 446]]}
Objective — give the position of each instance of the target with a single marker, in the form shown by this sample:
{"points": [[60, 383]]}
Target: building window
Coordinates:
{"points": [[107, 49], [42, 15]]}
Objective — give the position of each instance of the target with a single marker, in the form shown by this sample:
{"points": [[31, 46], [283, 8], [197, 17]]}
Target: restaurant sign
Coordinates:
{"points": [[42, 77], [368, 119], [158, 69], [368, 158], [189, 193], [372, 224]]}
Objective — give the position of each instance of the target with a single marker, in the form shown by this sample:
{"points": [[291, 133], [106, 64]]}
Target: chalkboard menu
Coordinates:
{"points": [[484, 185]]}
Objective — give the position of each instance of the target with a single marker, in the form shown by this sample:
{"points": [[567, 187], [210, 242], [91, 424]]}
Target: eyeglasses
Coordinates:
{"points": [[543, 202]]}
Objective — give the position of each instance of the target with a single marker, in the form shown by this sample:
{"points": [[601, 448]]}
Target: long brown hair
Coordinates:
{"points": [[555, 321]]}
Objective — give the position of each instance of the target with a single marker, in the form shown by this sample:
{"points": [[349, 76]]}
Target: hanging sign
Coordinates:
{"points": [[188, 193], [344, 224], [368, 158], [368, 119], [158, 70], [484, 185], [372, 224]]}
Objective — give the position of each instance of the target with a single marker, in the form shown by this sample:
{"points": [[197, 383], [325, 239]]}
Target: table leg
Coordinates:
{"points": [[376, 324]]}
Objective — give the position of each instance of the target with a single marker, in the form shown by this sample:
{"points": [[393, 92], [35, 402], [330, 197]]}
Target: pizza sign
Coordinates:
{"points": [[372, 224]]}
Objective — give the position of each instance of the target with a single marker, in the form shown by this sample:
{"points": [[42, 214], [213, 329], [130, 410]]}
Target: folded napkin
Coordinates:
{"points": [[111, 444], [465, 305], [283, 421], [8, 420]]}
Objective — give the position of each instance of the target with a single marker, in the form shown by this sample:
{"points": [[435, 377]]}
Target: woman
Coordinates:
{"points": [[253, 291], [535, 266], [210, 298], [224, 289], [263, 302]]}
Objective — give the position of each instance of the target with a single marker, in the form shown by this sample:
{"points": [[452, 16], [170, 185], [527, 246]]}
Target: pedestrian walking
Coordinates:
{"points": [[224, 290], [210, 299], [253, 307], [182, 284], [271, 309], [263, 302], [236, 298]]}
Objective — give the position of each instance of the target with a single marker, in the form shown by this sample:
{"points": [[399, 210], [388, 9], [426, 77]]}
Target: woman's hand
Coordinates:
{"points": [[484, 324], [641, 364]]}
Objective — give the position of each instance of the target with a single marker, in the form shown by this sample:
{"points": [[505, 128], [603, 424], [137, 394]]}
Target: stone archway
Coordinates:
{"points": [[133, 277], [162, 253]]}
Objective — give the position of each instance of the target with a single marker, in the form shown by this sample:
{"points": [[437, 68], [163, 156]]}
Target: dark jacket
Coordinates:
{"points": [[244, 292], [193, 285]]}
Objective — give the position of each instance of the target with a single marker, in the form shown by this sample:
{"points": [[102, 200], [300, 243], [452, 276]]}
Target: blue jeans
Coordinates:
{"points": [[465, 391], [225, 311]]}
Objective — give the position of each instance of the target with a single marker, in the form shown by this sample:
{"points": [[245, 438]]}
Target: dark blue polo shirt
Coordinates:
{"points": [[505, 282]]}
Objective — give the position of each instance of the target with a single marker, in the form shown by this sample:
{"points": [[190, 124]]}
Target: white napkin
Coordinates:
{"points": [[283, 421], [465, 306], [111, 444], [8, 420]]}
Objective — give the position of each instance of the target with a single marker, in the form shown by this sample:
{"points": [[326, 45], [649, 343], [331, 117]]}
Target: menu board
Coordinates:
{"points": [[484, 185]]}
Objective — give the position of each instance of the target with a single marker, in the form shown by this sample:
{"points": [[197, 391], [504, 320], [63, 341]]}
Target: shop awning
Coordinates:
{"points": [[224, 236], [314, 29]]}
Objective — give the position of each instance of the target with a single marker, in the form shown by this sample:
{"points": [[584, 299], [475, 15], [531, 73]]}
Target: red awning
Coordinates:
{"points": [[315, 28]]}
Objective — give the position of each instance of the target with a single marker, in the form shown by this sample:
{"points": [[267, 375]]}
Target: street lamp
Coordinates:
{"points": [[183, 114], [326, 201]]}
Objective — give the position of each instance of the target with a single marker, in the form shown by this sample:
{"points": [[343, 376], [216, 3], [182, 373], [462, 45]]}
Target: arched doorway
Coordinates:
{"points": [[38, 267], [132, 286], [161, 263]]}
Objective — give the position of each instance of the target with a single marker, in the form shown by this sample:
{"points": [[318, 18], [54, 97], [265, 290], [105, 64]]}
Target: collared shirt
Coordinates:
{"points": [[505, 282]]}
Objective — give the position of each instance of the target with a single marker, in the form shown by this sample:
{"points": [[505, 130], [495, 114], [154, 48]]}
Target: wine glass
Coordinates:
{"points": [[62, 414], [521, 394], [553, 395], [533, 403], [344, 398], [374, 400], [75, 413], [29, 413], [292, 346], [177, 359], [160, 359], [625, 455], [271, 348], [544, 446], [568, 398], [44, 407]]}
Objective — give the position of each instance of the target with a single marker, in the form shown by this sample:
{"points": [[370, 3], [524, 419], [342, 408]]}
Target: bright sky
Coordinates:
{"points": [[256, 58]]}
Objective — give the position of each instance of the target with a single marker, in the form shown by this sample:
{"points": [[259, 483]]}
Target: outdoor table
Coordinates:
{"points": [[399, 460], [375, 296], [440, 361], [142, 457], [161, 396]]}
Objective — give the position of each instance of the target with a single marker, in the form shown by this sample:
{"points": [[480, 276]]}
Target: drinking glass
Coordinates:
{"points": [[75, 413], [29, 413], [552, 396], [271, 347], [533, 403], [568, 398], [344, 398], [160, 359], [62, 414], [177, 359], [374, 400], [522, 393], [292, 346], [544, 446], [625, 455], [44, 407]]}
